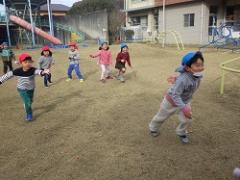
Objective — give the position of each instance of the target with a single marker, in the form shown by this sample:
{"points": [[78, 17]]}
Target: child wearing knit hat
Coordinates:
{"points": [[123, 57], [179, 96], [26, 81], [46, 62]]}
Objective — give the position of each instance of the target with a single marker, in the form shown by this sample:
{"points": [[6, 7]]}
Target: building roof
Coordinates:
{"points": [[159, 3], [20, 4], [55, 7], [171, 2]]}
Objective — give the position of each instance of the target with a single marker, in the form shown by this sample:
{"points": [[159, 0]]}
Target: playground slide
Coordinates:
{"points": [[38, 31]]}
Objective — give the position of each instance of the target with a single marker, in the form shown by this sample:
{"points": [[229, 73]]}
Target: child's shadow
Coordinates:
{"points": [[58, 81], [88, 74], [131, 75], [85, 75], [55, 103]]}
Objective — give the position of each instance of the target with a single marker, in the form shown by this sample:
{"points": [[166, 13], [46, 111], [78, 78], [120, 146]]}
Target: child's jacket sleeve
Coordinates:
{"points": [[6, 77], [110, 58], [119, 57], [97, 54], [176, 92], [38, 72], [128, 60], [40, 61]]}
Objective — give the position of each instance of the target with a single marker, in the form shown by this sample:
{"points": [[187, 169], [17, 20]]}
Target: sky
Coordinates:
{"points": [[65, 2]]}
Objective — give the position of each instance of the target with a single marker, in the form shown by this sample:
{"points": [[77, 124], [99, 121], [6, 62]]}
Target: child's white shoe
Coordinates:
{"points": [[68, 79]]}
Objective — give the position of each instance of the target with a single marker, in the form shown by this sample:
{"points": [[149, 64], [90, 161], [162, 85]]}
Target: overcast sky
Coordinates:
{"points": [[65, 2]]}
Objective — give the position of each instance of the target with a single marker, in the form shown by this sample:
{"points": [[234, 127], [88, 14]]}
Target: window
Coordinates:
{"points": [[189, 20], [138, 1], [135, 21]]}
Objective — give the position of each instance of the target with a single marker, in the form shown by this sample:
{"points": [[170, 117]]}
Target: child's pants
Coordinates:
{"points": [[105, 71], [167, 110], [27, 97], [77, 70], [7, 65], [47, 78]]}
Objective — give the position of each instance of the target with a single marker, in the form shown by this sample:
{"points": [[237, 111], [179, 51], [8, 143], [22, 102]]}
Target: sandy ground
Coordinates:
{"points": [[95, 131]]}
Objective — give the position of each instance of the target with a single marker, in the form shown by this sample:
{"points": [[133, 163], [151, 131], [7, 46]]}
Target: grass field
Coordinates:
{"points": [[95, 131]]}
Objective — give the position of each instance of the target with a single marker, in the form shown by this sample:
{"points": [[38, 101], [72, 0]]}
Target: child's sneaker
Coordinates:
{"points": [[109, 77], [122, 79], [184, 139], [81, 80], [103, 80], [118, 77], [29, 117], [68, 79], [154, 133]]}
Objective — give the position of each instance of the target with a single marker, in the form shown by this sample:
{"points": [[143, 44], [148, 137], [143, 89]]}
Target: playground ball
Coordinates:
{"points": [[236, 172]]}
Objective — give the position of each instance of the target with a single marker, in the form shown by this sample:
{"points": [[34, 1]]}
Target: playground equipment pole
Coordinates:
{"points": [[164, 24], [50, 17], [7, 23], [31, 19]]}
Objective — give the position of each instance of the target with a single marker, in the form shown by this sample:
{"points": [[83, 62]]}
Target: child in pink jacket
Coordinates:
{"points": [[105, 60]]}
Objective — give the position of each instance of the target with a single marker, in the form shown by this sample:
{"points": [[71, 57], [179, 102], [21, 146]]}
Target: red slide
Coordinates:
{"points": [[38, 31]]}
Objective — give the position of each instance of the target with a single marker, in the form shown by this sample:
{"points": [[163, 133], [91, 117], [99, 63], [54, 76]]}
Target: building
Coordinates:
{"points": [[193, 19], [59, 16]]}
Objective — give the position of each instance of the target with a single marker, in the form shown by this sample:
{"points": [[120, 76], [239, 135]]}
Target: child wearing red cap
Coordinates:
{"points": [[74, 60], [45, 62], [105, 60], [26, 81]]}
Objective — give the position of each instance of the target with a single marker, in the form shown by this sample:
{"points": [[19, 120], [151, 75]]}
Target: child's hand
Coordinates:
{"points": [[187, 112], [172, 79], [122, 60], [46, 71]]}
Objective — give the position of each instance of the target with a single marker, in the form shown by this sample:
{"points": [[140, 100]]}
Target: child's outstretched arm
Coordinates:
{"points": [[6, 77], [41, 72], [95, 55]]}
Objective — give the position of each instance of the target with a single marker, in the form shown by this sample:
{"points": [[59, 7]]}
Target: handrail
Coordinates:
{"points": [[223, 69]]}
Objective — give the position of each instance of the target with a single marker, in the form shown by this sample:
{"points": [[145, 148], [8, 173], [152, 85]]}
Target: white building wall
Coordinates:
{"points": [[198, 34]]}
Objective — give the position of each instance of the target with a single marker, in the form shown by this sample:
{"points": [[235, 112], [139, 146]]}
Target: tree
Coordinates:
{"points": [[116, 17], [88, 6]]}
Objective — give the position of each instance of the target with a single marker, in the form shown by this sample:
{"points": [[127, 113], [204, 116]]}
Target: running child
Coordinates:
{"points": [[7, 58], [74, 60], [26, 81], [123, 57], [46, 62], [105, 60], [179, 96]]}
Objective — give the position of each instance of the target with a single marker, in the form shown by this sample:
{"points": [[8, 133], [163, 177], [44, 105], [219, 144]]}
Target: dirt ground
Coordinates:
{"points": [[95, 131]]}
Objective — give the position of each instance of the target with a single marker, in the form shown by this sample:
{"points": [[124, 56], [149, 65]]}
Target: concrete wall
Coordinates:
{"points": [[198, 34], [95, 24]]}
